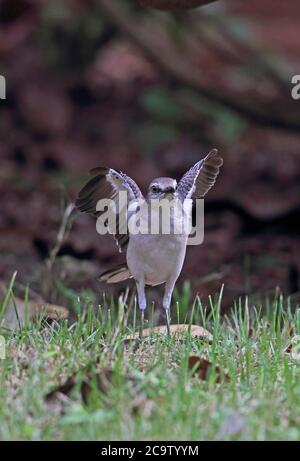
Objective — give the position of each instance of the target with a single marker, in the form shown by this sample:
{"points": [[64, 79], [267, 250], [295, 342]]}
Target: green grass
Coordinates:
{"points": [[153, 394]]}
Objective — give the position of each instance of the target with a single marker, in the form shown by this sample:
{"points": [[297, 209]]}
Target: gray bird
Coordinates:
{"points": [[152, 259]]}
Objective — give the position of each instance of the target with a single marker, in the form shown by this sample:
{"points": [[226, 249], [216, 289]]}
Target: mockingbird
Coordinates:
{"points": [[152, 259]]}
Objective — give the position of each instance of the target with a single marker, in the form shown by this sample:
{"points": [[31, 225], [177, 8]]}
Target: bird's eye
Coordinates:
{"points": [[155, 189]]}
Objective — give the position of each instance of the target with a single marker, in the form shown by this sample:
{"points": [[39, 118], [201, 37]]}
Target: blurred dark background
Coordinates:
{"points": [[98, 82]]}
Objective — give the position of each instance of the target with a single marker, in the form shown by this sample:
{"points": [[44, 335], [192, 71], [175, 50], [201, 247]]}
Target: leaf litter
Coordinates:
{"points": [[19, 311], [203, 368]]}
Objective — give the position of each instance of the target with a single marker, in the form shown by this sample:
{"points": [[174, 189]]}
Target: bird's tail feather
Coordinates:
{"points": [[118, 274]]}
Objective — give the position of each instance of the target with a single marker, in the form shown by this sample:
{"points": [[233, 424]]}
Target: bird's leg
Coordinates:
{"points": [[168, 322], [140, 285], [167, 301]]}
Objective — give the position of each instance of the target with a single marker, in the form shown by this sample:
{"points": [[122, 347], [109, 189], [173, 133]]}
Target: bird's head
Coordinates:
{"points": [[161, 188]]}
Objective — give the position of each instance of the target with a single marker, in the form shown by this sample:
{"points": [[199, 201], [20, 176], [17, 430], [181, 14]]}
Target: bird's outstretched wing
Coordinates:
{"points": [[201, 177], [106, 184]]}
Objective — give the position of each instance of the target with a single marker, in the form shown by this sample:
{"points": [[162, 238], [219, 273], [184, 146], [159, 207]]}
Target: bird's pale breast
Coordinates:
{"points": [[156, 257]]}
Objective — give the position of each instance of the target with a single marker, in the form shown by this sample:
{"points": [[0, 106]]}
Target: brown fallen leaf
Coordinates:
{"points": [[293, 347], [201, 368], [17, 310], [102, 380], [288, 349], [175, 4], [195, 331], [64, 388], [251, 332], [48, 312]]}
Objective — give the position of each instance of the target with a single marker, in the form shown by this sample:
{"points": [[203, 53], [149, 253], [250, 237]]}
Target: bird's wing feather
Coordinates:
{"points": [[201, 177], [116, 275], [106, 184]]}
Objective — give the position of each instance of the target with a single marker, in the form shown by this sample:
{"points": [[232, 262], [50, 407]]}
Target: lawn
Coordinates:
{"points": [[119, 389]]}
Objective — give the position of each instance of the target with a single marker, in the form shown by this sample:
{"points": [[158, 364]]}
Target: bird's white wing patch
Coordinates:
{"points": [[201, 177]]}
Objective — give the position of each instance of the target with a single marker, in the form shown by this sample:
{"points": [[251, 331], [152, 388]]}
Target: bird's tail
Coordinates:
{"points": [[118, 274]]}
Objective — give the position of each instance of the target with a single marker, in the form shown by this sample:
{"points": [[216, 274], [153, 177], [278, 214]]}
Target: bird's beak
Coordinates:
{"points": [[169, 196]]}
